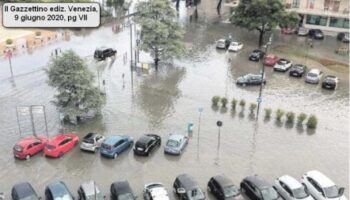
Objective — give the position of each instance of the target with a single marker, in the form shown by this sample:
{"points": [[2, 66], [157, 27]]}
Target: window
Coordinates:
{"points": [[339, 22], [30, 146], [36, 143], [316, 20], [296, 3]]}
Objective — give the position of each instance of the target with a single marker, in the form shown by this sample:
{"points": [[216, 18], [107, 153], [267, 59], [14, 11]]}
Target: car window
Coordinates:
{"points": [[30, 146], [172, 143], [36, 143], [331, 192], [313, 183], [119, 143], [63, 142]]}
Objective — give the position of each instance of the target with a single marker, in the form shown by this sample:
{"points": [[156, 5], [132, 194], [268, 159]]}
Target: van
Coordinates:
{"points": [[187, 188]]}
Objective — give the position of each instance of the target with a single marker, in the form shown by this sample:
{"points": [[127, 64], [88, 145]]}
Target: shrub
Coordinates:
{"points": [[242, 103], [9, 41], [279, 114], [224, 101], [301, 118], [312, 122], [37, 33], [233, 103], [252, 107], [268, 113], [290, 117], [215, 100]]}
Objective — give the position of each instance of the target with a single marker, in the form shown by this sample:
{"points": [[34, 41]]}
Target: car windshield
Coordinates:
{"points": [[300, 193], [126, 196], [31, 197], [298, 67], [64, 197], [93, 197], [269, 193], [331, 192], [89, 140], [196, 193], [18, 148], [282, 62], [172, 143], [48, 146], [231, 191]]}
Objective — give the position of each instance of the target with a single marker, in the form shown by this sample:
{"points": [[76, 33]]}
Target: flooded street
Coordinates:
{"points": [[166, 101]]}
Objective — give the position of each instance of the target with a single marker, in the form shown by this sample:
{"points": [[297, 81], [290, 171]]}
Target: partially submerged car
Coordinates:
{"points": [[60, 144], [155, 191], [185, 187], [121, 190], [175, 144], [256, 55], [24, 191], [297, 70], [92, 142], [235, 46], [115, 145], [330, 82], [282, 65], [29, 146], [223, 188], [314, 76], [291, 189], [89, 190], [146, 144], [103, 52], [270, 59], [257, 188], [250, 79]]}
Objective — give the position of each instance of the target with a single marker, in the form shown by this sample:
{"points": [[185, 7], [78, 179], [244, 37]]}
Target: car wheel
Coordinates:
{"points": [[28, 157], [115, 156]]}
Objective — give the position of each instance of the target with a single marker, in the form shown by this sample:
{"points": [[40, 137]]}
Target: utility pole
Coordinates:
{"points": [[32, 120], [9, 55]]}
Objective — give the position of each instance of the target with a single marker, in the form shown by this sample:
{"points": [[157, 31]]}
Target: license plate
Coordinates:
{"points": [[328, 86], [295, 74]]}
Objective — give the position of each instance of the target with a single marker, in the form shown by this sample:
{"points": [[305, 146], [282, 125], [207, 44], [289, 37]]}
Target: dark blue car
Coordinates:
{"points": [[114, 145], [58, 190]]}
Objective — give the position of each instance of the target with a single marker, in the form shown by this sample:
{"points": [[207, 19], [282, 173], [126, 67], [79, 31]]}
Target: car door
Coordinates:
{"points": [[29, 150], [37, 146]]}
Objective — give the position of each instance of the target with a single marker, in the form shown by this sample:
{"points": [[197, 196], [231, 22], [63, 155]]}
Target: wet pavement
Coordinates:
{"points": [[166, 101]]}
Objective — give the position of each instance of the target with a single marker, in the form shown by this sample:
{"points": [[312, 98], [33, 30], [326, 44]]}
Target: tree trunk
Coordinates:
{"points": [[156, 59], [177, 5], [218, 8], [261, 38]]}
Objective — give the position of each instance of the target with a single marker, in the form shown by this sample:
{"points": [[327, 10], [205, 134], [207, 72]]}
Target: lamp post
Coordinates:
{"points": [[259, 99], [9, 55]]}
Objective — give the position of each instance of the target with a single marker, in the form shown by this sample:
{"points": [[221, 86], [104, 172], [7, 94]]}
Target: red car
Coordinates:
{"points": [[60, 144], [270, 60], [29, 146], [288, 30]]}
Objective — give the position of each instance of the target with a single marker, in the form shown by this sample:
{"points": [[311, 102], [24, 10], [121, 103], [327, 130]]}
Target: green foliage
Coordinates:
{"points": [[242, 103], [268, 113], [312, 122], [215, 100], [76, 95], [159, 28], [290, 117], [9, 41], [224, 101], [279, 114], [233, 103], [301, 118], [252, 107]]}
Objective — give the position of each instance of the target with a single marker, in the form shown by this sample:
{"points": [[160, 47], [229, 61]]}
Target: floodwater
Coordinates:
{"points": [[164, 102]]}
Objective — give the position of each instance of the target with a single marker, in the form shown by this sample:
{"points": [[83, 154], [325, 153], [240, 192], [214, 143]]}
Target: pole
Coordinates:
{"points": [[11, 66], [32, 120], [131, 53], [19, 125], [47, 132], [98, 79]]}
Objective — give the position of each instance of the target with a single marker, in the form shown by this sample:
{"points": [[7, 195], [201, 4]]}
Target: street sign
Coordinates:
{"points": [[200, 109], [219, 123]]}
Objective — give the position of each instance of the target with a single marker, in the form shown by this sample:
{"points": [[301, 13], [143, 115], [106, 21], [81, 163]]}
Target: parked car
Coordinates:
{"points": [[221, 44], [314, 76], [250, 79], [330, 82], [2, 196], [297, 70], [147, 144], [256, 188], [342, 50], [29, 146], [291, 189], [23, 191], [235, 46], [321, 187], [175, 144], [103, 53], [57, 190], [282, 65], [60, 144], [121, 190], [155, 191], [223, 188], [116, 144], [343, 37], [92, 142], [89, 190], [270, 59], [316, 34], [302, 31], [256, 55], [187, 188], [288, 30]]}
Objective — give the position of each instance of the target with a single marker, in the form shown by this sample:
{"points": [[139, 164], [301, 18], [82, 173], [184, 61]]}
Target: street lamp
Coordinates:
{"points": [[9, 55], [262, 76]]}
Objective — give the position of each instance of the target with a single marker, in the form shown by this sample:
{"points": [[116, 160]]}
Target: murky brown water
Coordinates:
{"points": [[165, 102]]}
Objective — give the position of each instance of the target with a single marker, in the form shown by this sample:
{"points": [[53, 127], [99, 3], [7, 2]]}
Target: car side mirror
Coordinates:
{"points": [[341, 191], [181, 190]]}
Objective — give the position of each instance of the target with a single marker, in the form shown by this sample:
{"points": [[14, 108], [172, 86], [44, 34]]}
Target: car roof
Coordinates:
{"points": [[331, 77], [144, 139], [103, 48], [159, 193], [290, 181], [89, 188], [258, 181], [314, 71], [58, 138], [23, 189], [122, 187], [111, 140], [57, 188], [27, 140], [187, 181], [320, 178], [176, 137], [223, 180]]}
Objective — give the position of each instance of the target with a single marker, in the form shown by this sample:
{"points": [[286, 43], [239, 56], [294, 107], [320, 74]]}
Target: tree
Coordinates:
{"points": [[263, 15], [160, 33], [77, 96]]}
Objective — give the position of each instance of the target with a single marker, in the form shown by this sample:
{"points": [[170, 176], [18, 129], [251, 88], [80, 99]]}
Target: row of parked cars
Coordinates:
{"points": [[315, 33], [313, 76], [313, 185], [110, 146]]}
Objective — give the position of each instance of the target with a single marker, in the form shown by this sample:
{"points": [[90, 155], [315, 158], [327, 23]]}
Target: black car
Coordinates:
{"points": [[343, 36], [187, 188], [223, 188], [146, 144], [297, 70], [121, 190], [256, 55], [58, 190], [316, 34], [256, 188], [250, 79], [103, 53], [330, 82], [23, 191]]}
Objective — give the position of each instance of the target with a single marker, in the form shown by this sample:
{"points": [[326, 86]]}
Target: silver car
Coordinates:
{"points": [[303, 31], [176, 144], [291, 189], [89, 190], [221, 44], [92, 142], [155, 191], [313, 76]]}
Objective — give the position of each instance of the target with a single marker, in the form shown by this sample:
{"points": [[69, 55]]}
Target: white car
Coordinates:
{"points": [[155, 191], [92, 142], [282, 65], [235, 46], [321, 187], [313, 76], [221, 44], [291, 189]]}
